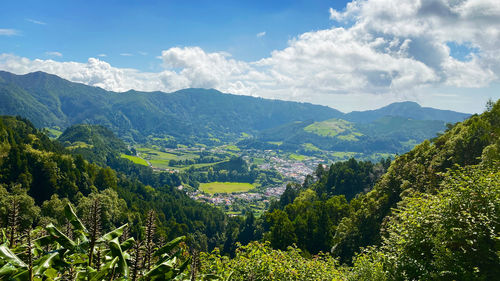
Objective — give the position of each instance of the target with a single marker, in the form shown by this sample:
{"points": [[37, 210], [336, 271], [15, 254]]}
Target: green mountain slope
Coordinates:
{"points": [[190, 112], [34, 166], [406, 109], [389, 134], [96, 143], [52, 101], [448, 161]]}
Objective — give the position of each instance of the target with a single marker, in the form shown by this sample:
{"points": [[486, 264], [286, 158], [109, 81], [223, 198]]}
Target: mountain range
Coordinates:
{"points": [[203, 115]]}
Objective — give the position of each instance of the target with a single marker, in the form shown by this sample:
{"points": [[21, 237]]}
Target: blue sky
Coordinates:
{"points": [[348, 55], [133, 33]]}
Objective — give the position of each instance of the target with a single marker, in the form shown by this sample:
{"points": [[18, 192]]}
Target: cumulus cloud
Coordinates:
{"points": [[102, 55], [8, 32], [261, 34], [377, 51], [335, 15], [94, 72]]}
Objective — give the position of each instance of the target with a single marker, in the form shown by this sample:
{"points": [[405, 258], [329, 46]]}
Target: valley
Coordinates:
{"points": [[196, 135], [323, 185], [352, 140]]}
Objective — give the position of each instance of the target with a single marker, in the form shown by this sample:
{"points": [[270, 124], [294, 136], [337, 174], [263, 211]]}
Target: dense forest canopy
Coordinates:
{"points": [[430, 214]]}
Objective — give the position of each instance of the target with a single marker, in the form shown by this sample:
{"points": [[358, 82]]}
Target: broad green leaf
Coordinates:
{"points": [[169, 246], [7, 270], [45, 263], [184, 265], [7, 255], [112, 234], [116, 251], [60, 238], [162, 270], [85, 274], [107, 268], [79, 228], [127, 244], [21, 276], [50, 273], [69, 213]]}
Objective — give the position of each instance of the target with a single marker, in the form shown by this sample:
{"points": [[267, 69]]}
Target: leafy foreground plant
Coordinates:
{"points": [[451, 235], [78, 254], [258, 261]]}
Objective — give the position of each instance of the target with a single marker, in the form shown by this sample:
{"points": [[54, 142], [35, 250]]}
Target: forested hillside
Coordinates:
{"points": [[206, 116], [52, 101], [45, 175], [430, 214], [388, 134], [435, 192]]}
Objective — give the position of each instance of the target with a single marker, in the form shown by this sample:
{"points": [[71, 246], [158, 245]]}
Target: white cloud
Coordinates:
{"points": [[36, 22], [8, 32], [335, 15], [53, 54], [384, 52], [102, 55], [126, 54], [142, 53], [261, 34]]}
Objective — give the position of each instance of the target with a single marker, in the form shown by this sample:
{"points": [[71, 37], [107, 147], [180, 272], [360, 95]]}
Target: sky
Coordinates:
{"points": [[349, 55]]}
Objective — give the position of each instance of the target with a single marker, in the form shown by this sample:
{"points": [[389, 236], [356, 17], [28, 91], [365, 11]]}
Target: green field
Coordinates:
{"points": [[79, 144], [150, 153], [54, 133], [258, 161], [225, 187], [310, 147], [343, 155], [334, 127], [135, 159], [297, 157], [232, 148]]}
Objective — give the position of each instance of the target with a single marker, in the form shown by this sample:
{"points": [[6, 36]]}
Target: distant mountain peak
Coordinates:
{"points": [[407, 109]]}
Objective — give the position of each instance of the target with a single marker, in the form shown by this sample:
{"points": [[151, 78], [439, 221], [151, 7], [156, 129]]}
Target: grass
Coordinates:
{"points": [[135, 159], [310, 147], [79, 144], [165, 138], [258, 161], [196, 166], [343, 155], [232, 148], [151, 154], [160, 163], [54, 133], [160, 159], [297, 157], [351, 137], [278, 143], [334, 127], [225, 187]]}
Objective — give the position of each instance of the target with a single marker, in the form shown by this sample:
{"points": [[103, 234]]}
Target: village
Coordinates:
{"points": [[257, 200]]}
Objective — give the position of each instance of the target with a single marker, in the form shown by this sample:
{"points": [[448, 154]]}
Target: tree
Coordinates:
{"points": [[282, 233], [451, 235]]}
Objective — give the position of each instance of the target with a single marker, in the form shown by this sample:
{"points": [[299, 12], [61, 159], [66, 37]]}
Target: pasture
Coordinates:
{"points": [[225, 187]]}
